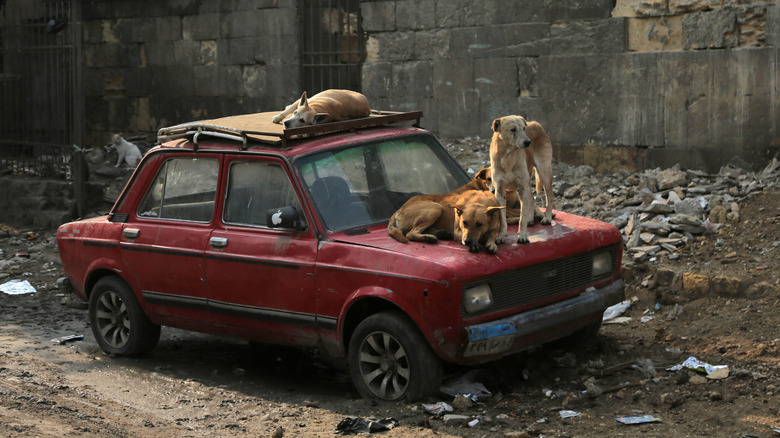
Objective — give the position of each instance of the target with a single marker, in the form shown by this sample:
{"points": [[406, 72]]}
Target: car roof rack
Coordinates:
{"points": [[258, 128]]}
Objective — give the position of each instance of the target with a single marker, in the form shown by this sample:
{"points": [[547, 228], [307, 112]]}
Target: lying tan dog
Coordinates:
{"points": [[516, 149], [324, 107], [513, 204], [470, 217]]}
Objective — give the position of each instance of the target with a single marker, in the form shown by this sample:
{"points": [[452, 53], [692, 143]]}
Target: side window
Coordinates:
{"points": [[253, 189], [184, 189]]}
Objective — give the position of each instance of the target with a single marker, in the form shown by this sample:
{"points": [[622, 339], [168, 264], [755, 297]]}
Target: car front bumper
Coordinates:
{"points": [[527, 329]]}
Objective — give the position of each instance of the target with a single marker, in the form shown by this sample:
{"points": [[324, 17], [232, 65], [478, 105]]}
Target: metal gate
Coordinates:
{"points": [[333, 45], [40, 96], [41, 103]]}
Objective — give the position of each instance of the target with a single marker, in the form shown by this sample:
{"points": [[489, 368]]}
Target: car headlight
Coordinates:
{"points": [[477, 299], [602, 263]]}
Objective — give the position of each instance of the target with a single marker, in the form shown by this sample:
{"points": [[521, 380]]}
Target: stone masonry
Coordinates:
{"points": [[629, 84]]}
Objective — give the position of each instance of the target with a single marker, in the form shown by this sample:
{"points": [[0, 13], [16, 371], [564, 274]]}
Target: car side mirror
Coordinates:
{"points": [[285, 217]]}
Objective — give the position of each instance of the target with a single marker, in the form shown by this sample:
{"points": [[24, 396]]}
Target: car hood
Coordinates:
{"points": [[569, 234]]}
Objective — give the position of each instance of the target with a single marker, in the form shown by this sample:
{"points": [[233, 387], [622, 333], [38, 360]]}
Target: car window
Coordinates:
{"points": [[367, 183], [184, 189], [253, 189]]}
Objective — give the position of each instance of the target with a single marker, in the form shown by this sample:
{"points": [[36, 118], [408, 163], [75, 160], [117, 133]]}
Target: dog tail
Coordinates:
{"points": [[539, 185], [394, 231]]}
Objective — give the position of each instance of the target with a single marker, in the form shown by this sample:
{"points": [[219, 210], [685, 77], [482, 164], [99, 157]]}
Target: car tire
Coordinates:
{"points": [[390, 360], [118, 322]]}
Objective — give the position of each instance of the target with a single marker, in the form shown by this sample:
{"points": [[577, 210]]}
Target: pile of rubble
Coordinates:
{"points": [[658, 211]]}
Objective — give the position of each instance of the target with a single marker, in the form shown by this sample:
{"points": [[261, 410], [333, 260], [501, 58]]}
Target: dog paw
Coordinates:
{"points": [[429, 238], [522, 240], [277, 119], [501, 238], [475, 248], [491, 248], [546, 221]]}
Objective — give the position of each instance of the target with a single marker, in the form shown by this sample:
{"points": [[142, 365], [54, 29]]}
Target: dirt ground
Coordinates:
{"points": [[195, 385]]}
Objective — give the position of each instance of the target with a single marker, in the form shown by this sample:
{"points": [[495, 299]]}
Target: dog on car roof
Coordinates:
{"points": [[327, 106]]}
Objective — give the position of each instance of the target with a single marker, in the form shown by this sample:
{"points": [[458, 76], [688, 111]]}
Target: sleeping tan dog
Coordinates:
{"points": [[324, 107], [470, 217], [516, 149]]}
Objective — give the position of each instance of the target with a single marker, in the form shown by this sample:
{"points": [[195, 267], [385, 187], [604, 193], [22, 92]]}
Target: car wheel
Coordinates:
{"points": [[118, 322], [390, 360]]}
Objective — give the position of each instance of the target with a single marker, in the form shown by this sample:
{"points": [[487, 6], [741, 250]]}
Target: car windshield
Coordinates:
{"points": [[366, 183]]}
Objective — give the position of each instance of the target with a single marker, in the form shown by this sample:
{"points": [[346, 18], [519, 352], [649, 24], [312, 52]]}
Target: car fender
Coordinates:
{"points": [[350, 315], [99, 267]]}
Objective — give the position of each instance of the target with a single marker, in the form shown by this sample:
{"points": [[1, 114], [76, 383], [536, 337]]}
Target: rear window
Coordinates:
{"points": [[184, 189]]}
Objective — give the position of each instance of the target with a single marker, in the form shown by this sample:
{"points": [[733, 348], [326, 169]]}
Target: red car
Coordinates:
{"points": [[237, 227]]}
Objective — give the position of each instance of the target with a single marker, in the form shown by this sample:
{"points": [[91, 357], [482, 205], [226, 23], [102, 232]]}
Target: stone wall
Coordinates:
{"points": [[628, 84], [150, 64]]}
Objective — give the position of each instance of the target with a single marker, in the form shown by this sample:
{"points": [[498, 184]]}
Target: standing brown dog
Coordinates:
{"points": [[516, 149]]}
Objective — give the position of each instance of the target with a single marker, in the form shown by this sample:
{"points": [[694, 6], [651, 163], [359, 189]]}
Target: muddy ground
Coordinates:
{"points": [[198, 385]]}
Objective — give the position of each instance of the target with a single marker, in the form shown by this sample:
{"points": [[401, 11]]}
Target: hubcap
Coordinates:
{"points": [[384, 366], [113, 319]]}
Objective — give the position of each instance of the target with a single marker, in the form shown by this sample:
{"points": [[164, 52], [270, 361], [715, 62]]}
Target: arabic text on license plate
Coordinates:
{"points": [[489, 346]]}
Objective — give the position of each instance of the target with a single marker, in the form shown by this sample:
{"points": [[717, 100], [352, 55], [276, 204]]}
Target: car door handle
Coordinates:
{"points": [[218, 242], [131, 233]]}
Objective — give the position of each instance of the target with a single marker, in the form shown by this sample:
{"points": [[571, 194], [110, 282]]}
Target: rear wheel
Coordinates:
{"points": [[390, 360], [118, 322]]}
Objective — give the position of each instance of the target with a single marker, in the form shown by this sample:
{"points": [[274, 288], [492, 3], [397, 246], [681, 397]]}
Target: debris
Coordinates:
{"points": [[17, 287], [467, 387], [437, 408], [568, 414], [455, 419], [616, 310], [63, 339], [712, 371], [473, 422], [352, 425], [638, 420], [461, 402]]}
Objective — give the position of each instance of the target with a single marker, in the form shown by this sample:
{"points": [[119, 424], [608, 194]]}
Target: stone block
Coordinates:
{"points": [[583, 37], [727, 286], [710, 30], [434, 44], [665, 276], [378, 16], [376, 78], [683, 6], [412, 80], [242, 23], [523, 39], [396, 46], [208, 52], [457, 113], [520, 11], [773, 26], [473, 42], [579, 11], [239, 51], [527, 69], [200, 27], [186, 52], [656, 34], [207, 81], [639, 8], [453, 76], [696, 284], [159, 53], [496, 77], [415, 14]]}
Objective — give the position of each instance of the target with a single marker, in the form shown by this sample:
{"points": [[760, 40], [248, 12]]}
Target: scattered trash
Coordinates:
{"points": [[68, 338], [639, 420], [619, 320], [616, 310], [473, 422], [352, 425], [437, 408], [568, 414], [465, 386], [17, 287], [712, 371]]}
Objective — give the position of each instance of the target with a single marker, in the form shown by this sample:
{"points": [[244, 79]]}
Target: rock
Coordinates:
{"points": [[670, 178], [726, 286], [684, 219], [690, 207], [697, 284], [461, 403], [452, 419], [697, 379], [279, 432], [718, 215], [656, 208], [671, 400]]}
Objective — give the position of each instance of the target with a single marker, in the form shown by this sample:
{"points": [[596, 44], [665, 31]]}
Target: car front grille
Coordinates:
{"points": [[530, 284]]}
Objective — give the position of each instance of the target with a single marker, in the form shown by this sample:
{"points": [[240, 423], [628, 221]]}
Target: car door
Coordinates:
{"points": [[163, 242], [260, 279]]}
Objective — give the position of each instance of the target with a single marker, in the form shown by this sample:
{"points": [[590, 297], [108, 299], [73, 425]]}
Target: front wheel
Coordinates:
{"points": [[390, 360], [118, 322]]}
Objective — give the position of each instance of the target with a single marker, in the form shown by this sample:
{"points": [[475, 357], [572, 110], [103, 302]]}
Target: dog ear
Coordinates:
{"points": [[321, 118], [482, 174], [493, 210], [496, 125], [303, 101]]}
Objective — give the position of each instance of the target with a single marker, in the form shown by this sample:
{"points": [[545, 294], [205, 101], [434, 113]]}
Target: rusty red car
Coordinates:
{"points": [[240, 228]]}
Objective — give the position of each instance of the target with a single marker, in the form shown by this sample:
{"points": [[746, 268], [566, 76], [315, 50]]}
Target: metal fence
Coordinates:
{"points": [[333, 45], [40, 96]]}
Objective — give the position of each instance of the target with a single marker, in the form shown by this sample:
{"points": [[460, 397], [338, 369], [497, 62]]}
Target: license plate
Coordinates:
{"points": [[489, 346]]}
